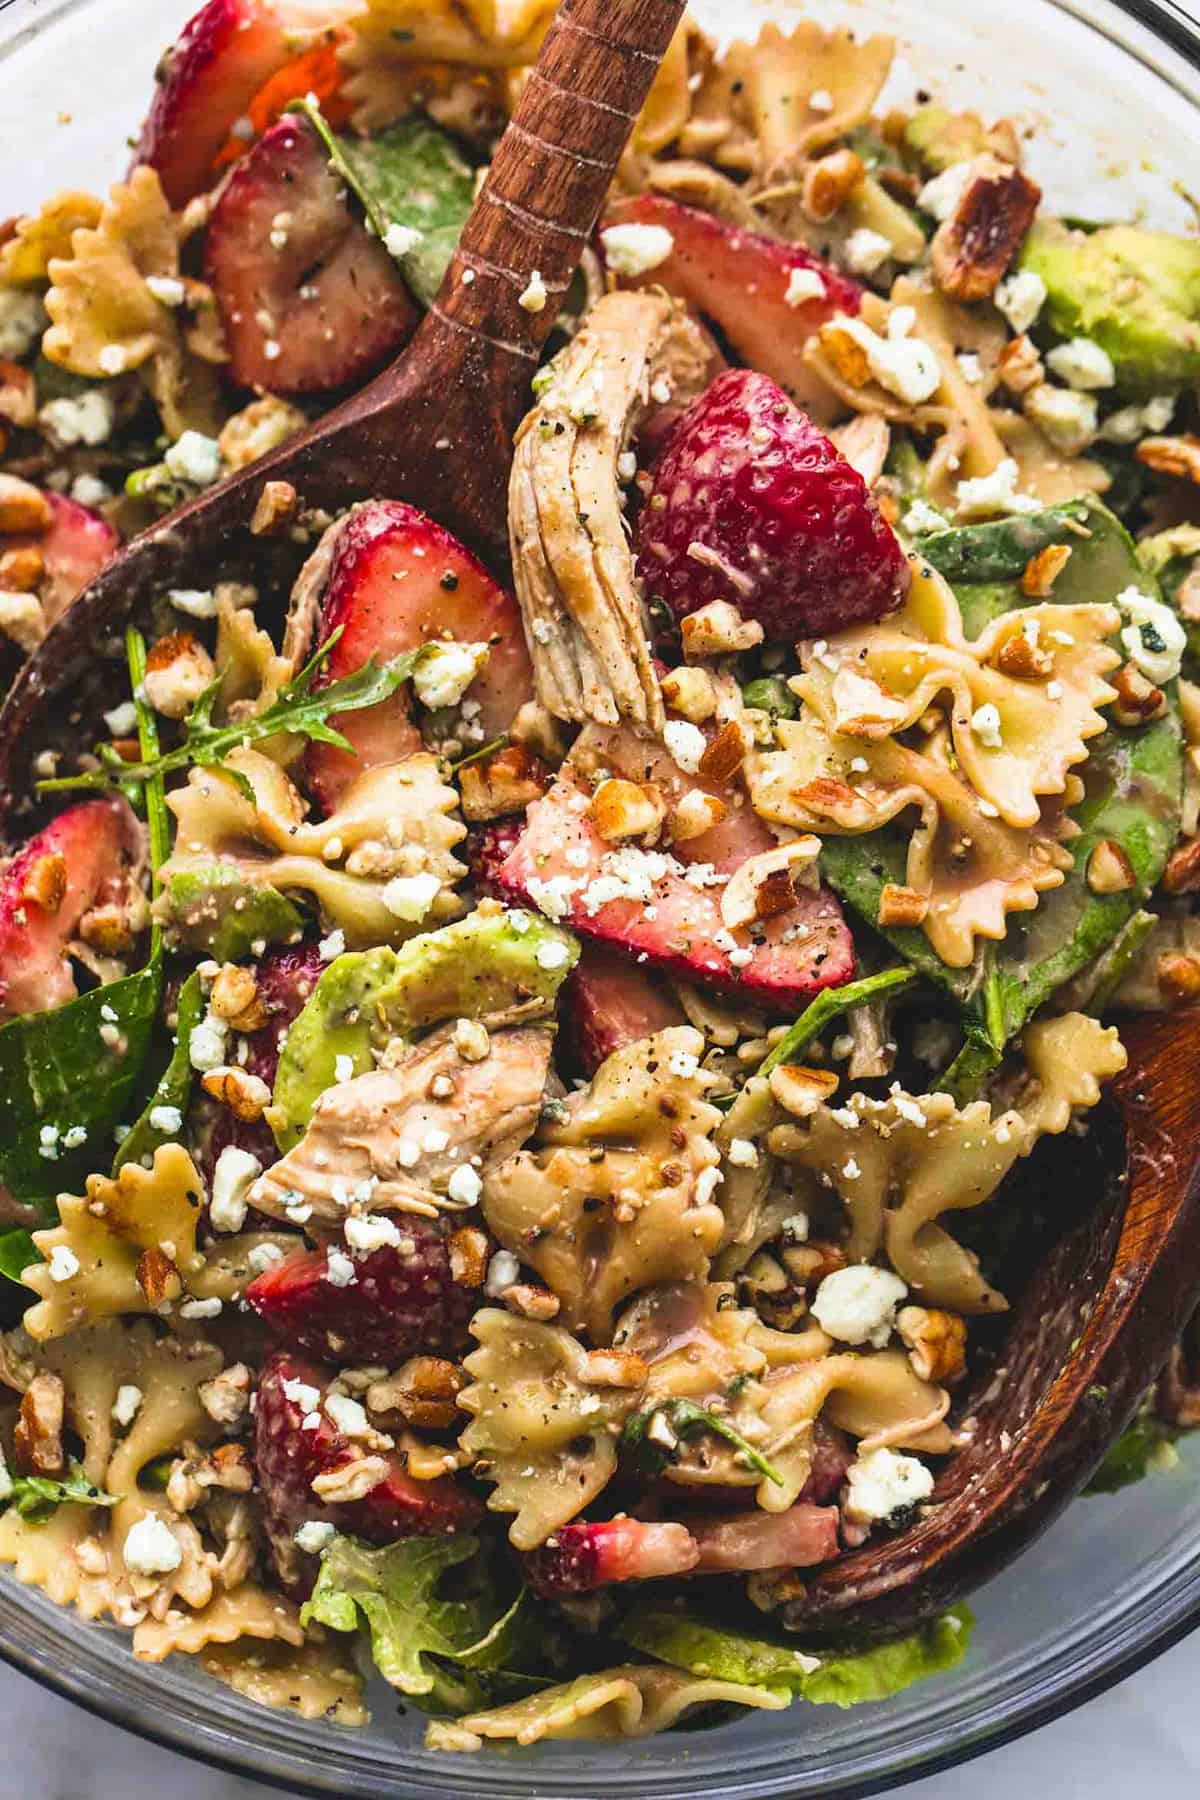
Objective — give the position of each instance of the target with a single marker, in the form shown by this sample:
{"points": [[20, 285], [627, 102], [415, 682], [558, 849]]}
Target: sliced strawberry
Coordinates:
{"points": [[832, 1454], [316, 72], [289, 1454], [75, 549], [397, 581], [760, 1540], [206, 81], [791, 533], [739, 279], [608, 1002], [402, 1300], [487, 848], [582, 1557], [679, 928], [308, 298], [80, 861]]}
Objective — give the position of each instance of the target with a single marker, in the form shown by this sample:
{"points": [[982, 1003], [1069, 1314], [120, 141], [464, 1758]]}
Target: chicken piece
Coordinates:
{"points": [[572, 564], [403, 1138]]}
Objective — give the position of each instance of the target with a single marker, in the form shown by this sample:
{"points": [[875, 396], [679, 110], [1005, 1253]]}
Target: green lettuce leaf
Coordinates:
{"points": [[840, 1680], [36, 1497], [17, 1252], [174, 1084], [1142, 1448]]}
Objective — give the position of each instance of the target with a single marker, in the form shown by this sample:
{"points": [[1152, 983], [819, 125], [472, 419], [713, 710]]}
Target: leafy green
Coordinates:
{"points": [[17, 1252], [828, 1006], [1136, 1453], [300, 707], [689, 1642], [158, 819], [59, 1075], [415, 1632], [687, 1420], [174, 1084], [410, 175], [36, 1497], [220, 912], [1173, 556]]}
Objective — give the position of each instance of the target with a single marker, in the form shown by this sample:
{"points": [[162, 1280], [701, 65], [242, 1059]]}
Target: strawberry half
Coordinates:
{"points": [[397, 581], [608, 1002], [401, 1302], [790, 532], [582, 1557], [288, 1456], [75, 549], [760, 1540], [80, 861], [740, 280], [308, 298], [206, 81]]}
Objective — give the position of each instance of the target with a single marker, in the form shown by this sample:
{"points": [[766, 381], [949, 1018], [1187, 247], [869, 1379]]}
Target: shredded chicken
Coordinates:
{"points": [[571, 557]]}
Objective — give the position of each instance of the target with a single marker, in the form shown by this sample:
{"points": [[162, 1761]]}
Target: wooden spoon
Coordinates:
{"points": [[436, 428]]}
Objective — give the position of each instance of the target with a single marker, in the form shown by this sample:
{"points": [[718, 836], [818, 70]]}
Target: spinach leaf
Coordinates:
{"points": [[828, 1006], [17, 1252], [174, 1084], [37, 1497], [1141, 1448], [64, 1085], [686, 1420], [409, 175]]}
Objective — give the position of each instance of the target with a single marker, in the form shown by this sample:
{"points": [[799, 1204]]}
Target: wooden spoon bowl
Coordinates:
{"points": [[1103, 1307]]}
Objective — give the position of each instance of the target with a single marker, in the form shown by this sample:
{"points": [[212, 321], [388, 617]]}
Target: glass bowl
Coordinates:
{"points": [[1114, 94]]}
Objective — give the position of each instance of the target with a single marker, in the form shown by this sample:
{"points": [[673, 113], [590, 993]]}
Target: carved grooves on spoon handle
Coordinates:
{"points": [[553, 167]]}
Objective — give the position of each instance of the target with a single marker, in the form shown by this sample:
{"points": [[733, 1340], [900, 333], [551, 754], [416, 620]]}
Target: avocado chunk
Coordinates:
{"points": [[217, 912], [1134, 292], [940, 138], [485, 963]]}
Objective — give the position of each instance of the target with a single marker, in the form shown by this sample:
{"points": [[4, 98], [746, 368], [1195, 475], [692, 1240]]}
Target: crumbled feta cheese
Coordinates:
{"points": [[371, 1231], [471, 1040], [343, 1068], [552, 956], [986, 495], [314, 1535], [74, 1136], [48, 1142], [1154, 638], [348, 1415], [533, 296], [969, 367], [195, 458], [866, 251], [339, 1270], [122, 720], [263, 1257], [411, 896], [168, 290], [125, 1406], [683, 1064], [234, 1171], [1021, 298], [518, 921], [64, 1264], [503, 1271], [742, 1153], [1129, 423], [89, 490], [985, 723], [1082, 364], [554, 897], [883, 1482], [942, 195], [166, 1118], [634, 249], [197, 603], [445, 672], [301, 1393], [206, 1044], [398, 240], [804, 285], [22, 322], [795, 1227], [858, 1305], [434, 1142], [821, 101], [200, 1309], [464, 1186], [1068, 418], [906, 366], [921, 518], [112, 359], [332, 946], [151, 1547], [82, 419], [685, 744]]}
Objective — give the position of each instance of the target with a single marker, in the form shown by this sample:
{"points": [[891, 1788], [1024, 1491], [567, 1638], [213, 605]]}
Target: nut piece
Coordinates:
{"points": [[1182, 873], [1043, 570], [350, 1480], [936, 1341], [158, 1277], [178, 669], [424, 1392], [975, 246], [37, 1436], [506, 782], [538, 730], [902, 905], [22, 619], [274, 509], [1172, 455], [226, 1398], [625, 809], [726, 752], [21, 569], [468, 1249], [616, 1369], [1138, 700], [1020, 658], [110, 928], [845, 354], [767, 884], [1020, 366], [1109, 870], [234, 998], [696, 813], [828, 183], [532, 1301], [18, 394], [22, 506], [809, 1264], [258, 428], [690, 693], [244, 1094], [799, 1090], [45, 882], [718, 629], [1179, 977]]}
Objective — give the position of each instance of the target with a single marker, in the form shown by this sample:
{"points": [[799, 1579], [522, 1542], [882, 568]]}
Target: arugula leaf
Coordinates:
{"points": [[410, 175], [157, 818], [688, 1420], [691, 1642], [17, 1252], [300, 707], [414, 1632], [174, 1084], [828, 1006], [58, 1075], [36, 1497]]}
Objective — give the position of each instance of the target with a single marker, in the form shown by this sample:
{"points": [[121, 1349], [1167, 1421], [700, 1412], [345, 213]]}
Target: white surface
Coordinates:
{"points": [[1143, 1736]]}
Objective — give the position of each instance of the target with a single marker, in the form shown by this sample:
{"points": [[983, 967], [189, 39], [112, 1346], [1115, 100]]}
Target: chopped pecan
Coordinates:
{"points": [[627, 809], [695, 814], [18, 394], [45, 881], [178, 669], [37, 1436], [1020, 366], [767, 884], [469, 1251], [1179, 977], [1182, 873], [234, 997], [845, 354], [902, 905], [23, 507], [274, 509], [247, 1096], [829, 182], [1043, 570], [809, 1264], [1138, 700], [108, 928], [726, 752], [424, 1392], [936, 1342], [718, 629], [1109, 870], [532, 1301], [690, 693], [975, 246], [21, 569], [799, 1090], [1172, 455], [158, 1277], [350, 1480], [616, 1369], [506, 782]]}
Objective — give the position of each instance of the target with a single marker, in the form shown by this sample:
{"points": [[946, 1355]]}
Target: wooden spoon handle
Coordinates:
{"points": [[553, 167]]}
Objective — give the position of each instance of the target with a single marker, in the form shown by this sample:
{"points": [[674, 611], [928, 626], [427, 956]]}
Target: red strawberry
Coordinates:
{"points": [[401, 1302], [206, 81], [832, 1454], [791, 533], [486, 849], [288, 1456], [609, 1002], [397, 581], [760, 1540], [308, 298], [75, 548], [739, 279], [80, 861], [582, 1557]]}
